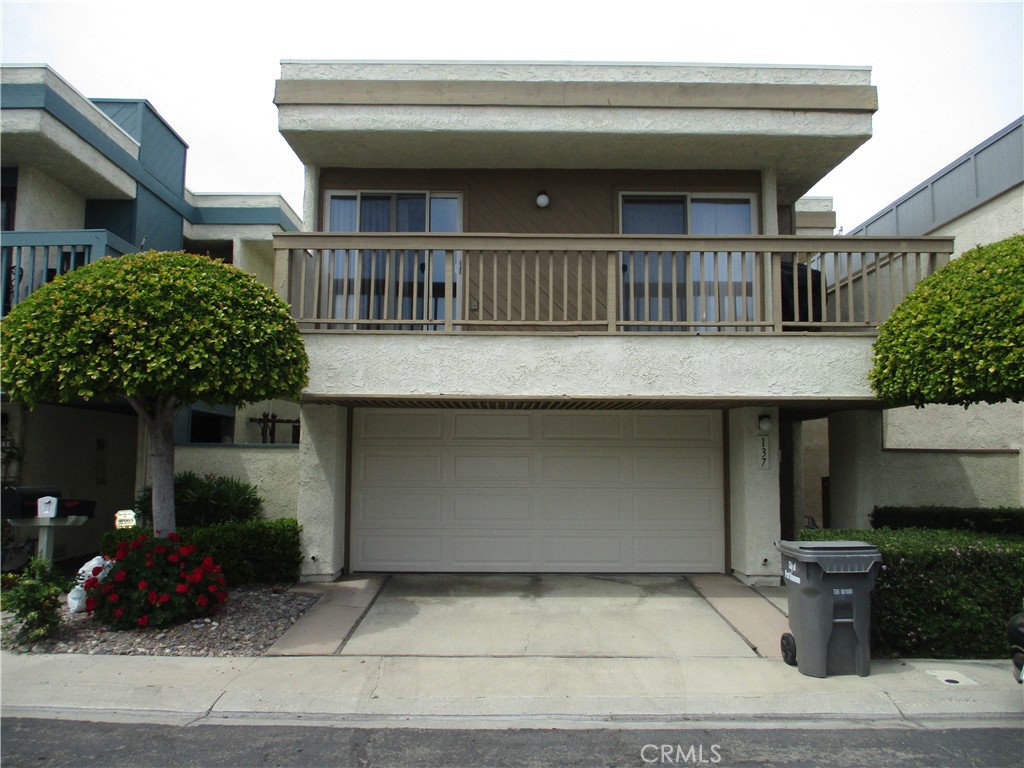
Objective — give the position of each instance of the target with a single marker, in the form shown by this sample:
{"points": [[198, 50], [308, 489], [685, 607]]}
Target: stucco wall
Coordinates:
{"points": [[864, 476], [997, 219], [273, 470], [45, 203], [754, 495], [808, 366]]}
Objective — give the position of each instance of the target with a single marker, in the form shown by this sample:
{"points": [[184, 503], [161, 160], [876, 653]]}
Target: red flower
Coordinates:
{"points": [[90, 604], [173, 537], [150, 563], [119, 613], [212, 588], [202, 600], [97, 570], [143, 586], [108, 588], [151, 597], [181, 588], [208, 563], [91, 583], [160, 549], [186, 551], [163, 599], [114, 597], [143, 621], [173, 558], [120, 576]]}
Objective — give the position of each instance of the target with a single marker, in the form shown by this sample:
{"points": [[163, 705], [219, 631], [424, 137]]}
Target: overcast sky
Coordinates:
{"points": [[949, 74]]}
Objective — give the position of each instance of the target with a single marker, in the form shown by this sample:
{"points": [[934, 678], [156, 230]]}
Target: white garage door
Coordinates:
{"points": [[537, 491]]}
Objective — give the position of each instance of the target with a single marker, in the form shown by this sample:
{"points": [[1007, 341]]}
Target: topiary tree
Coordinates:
{"points": [[160, 330], [958, 337]]}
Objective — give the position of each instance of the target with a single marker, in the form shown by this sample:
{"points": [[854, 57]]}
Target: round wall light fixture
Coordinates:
{"points": [[543, 201]]}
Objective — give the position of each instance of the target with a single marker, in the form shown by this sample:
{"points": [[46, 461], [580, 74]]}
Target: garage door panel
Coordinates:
{"points": [[581, 507], [401, 425], [496, 468], [678, 469], [497, 509], [581, 469], [692, 509], [492, 426], [691, 552], [405, 552], [384, 508], [506, 552], [580, 552], [582, 427], [675, 427], [422, 468]]}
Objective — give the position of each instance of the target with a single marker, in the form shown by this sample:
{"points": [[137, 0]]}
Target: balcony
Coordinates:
{"points": [[32, 259], [598, 284]]}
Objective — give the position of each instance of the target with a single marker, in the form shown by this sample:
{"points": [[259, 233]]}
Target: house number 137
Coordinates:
{"points": [[763, 457]]}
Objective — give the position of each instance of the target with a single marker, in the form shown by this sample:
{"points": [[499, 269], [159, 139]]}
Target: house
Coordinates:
{"points": [[563, 317], [83, 179], [940, 455]]}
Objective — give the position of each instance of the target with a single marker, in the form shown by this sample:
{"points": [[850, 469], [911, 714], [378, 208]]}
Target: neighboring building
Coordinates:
{"points": [[941, 455], [83, 179], [571, 317]]}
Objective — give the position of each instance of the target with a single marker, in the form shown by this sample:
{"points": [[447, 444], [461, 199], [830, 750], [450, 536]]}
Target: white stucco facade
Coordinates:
{"points": [[472, 365]]}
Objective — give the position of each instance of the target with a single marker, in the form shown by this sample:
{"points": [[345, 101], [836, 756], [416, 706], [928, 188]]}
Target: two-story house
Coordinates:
{"points": [[560, 315]]}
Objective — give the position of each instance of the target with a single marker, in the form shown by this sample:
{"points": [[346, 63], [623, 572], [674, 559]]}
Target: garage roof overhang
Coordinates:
{"points": [[802, 122]]}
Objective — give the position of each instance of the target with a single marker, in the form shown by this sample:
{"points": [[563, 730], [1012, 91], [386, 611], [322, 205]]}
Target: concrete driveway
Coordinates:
{"points": [[549, 615]]}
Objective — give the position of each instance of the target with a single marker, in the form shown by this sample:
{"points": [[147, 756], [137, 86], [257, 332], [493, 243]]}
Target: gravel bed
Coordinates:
{"points": [[252, 619]]}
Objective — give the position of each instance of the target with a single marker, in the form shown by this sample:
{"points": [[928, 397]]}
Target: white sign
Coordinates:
{"points": [[124, 518]]}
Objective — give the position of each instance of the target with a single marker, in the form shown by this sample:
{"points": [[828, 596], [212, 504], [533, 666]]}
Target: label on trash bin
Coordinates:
{"points": [[790, 572]]}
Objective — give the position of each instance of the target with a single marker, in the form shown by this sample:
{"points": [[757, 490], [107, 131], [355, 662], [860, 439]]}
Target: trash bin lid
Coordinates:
{"points": [[833, 556]]}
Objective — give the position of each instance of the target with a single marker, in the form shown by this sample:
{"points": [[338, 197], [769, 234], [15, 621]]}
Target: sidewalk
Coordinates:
{"points": [[307, 678]]}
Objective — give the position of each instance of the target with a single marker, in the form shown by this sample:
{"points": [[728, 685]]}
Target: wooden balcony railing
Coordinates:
{"points": [[598, 283], [31, 259]]}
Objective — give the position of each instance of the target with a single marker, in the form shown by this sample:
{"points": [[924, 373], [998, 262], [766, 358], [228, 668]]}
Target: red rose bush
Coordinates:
{"points": [[155, 583]]}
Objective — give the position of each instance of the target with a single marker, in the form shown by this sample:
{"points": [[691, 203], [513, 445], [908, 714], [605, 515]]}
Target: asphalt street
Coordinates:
{"points": [[78, 744]]}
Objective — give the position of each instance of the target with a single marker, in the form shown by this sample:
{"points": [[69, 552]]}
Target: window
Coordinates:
{"points": [[391, 284], [680, 290]]}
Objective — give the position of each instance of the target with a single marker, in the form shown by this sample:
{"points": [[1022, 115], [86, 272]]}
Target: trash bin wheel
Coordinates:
{"points": [[789, 649]]}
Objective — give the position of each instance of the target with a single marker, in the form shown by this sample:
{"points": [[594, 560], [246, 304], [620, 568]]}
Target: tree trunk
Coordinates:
{"points": [[159, 420], [161, 457]]}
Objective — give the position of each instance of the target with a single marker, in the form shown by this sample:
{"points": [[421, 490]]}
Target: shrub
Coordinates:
{"points": [[983, 520], [155, 583], [941, 593], [958, 337], [34, 597], [204, 500], [249, 551]]}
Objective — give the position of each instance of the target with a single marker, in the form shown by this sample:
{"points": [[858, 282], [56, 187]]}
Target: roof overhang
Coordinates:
{"points": [[801, 122]]}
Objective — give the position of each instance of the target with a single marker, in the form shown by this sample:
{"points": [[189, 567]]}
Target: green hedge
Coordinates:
{"points": [[249, 551], [206, 500], [940, 593], [983, 520]]}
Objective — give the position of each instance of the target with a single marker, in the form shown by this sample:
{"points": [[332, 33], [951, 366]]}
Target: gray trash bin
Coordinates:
{"points": [[828, 587]]}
